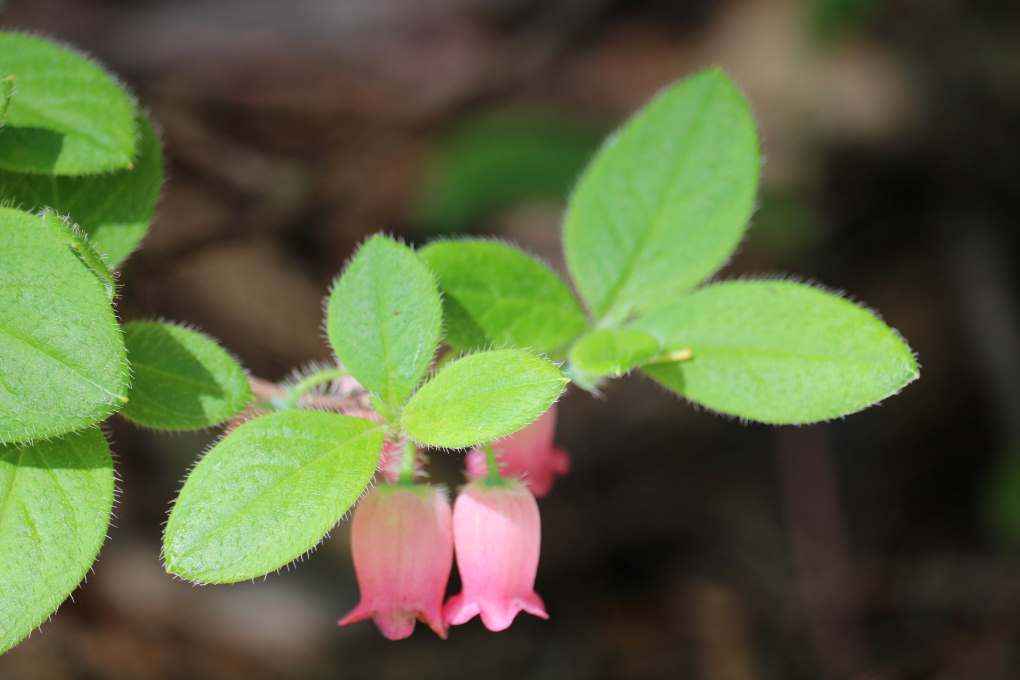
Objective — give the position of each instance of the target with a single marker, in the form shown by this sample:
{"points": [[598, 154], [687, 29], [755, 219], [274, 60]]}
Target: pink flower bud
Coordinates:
{"points": [[403, 552], [528, 455], [497, 532]]}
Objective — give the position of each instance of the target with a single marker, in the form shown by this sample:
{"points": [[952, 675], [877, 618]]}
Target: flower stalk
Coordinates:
{"points": [[493, 477], [407, 463], [308, 383]]}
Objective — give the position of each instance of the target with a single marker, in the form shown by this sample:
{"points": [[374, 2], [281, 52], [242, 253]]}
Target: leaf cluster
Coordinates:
{"points": [[81, 167], [456, 344]]}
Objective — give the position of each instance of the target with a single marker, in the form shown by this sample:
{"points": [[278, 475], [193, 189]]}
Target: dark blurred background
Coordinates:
{"points": [[683, 545]]}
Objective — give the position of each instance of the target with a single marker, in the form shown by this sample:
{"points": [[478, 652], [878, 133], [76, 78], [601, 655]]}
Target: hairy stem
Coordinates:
{"points": [[271, 396], [407, 469], [310, 382]]}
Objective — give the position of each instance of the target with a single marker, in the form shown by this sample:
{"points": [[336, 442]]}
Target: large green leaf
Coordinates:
{"points": [[114, 209], [55, 501], [61, 351], [666, 200], [268, 493], [612, 352], [778, 352], [182, 380], [496, 295], [384, 318], [481, 397], [67, 116]]}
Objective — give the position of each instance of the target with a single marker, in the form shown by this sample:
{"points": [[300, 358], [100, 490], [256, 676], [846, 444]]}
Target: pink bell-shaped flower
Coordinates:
{"points": [[402, 544], [529, 455], [497, 533]]}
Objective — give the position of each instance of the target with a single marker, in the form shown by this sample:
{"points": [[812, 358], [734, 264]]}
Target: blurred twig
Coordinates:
{"points": [[817, 533]]}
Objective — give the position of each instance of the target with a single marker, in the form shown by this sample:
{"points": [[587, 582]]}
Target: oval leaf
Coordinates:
{"points": [[482, 397], [183, 380], [497, 295], [613, 352], [66, 116], [55, 502], [268, 493], [114, 209], [384, 319], [779, 352], [666, 200], [61, 352]]}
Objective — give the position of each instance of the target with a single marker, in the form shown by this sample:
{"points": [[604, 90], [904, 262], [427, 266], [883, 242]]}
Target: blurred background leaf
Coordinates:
{"points": [[498, 160], [833, 20]]}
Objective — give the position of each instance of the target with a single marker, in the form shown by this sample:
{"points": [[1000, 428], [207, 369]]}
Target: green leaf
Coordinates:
{"points": [[495, 162], [481, 397], [497, 295], [1000, 499], [778, 352], [67, 116], [55, 502], [78, 241], [267, 493], [6, 90], [613, 352], [114, 209], [183, 380], [666, 200], [384, 319], [61, 350], [832, 20]]}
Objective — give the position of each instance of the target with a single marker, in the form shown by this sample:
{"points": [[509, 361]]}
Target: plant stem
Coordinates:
{"points": [[672, 356], [407, 463], [310, 382], [492, 467]]}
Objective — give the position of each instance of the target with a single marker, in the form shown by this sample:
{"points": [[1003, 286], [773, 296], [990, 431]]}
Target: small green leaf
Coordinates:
{"points": [[495, 162], [55, 502], [666, 200], [613, 352], [384, 319], [481, 397], [497, 295], [183, 380], [61, 351], [267, 493], [778, 352], [67, 116], [77, 240], [114, 209]]}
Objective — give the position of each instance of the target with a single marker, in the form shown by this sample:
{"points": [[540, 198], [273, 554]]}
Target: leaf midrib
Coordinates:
{"points": [[31, 344], [655, 224], [6, 498], [842, 359]]}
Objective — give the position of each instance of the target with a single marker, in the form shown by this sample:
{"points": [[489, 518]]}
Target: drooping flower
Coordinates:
{"points": [[402, 542], [497, 535], [529, 455]]}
